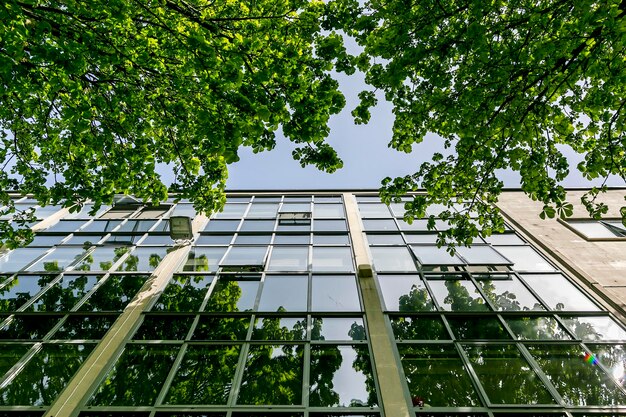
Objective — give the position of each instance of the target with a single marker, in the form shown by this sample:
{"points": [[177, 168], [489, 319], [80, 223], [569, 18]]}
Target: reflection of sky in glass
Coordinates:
{"points": [[347, 382], [18, 259], [559, 293], [337, 328], [334, 293], [58, 259], [595, 328], [393, 259], [284, 292], [394, 287], [525, 258]]}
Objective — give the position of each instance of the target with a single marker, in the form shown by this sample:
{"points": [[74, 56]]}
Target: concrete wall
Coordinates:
{"points": [[598, 264]]}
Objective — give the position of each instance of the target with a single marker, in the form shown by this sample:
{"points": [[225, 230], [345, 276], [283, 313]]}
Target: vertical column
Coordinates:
{"points": [[391, 392], [73, 396]]}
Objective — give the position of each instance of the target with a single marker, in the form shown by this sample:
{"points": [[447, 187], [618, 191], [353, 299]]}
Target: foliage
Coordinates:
{"points": [[96, 95], [506, 85]]}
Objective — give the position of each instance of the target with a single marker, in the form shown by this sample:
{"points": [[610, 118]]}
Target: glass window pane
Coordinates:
{"points": [[161, 240], [222, 328], [28, 327], [143, 259], [418, 328], [85, 327], [136, 226], [18, 259], [537, 328], [436, 376], [457, 295], [334, 293], [102, 258], [387, 239], [10, 354], [477, 328], [330, 225], [65, 293], [232, 211], [559, 293], [578, 382], [214, 239], [160, 327], [191, 386], [482, 255], [510, 294], [332, 259], [184, 293], [21, 289], [263, 210], [101, 226], [432, 255], [46, 240], [279, 328], [289, 259], [506, 376], [417, 225], [137, 376], [595, 328], [45, 375], [338, 328], [222, 226], [65, 226], [327, 210], [341, 376], [405, 293], [295, 208], [273, 375], [613, 357], [115, 293], [379, 225], [245, 256], [392, 259], [228, 296], [84, 240], [257, 226], [204, 259], [292, 239], [374, 210], [504, 239], [253, 239], [284, 293], [591, 229], [525, 258], [330, 239], [58, 259]]}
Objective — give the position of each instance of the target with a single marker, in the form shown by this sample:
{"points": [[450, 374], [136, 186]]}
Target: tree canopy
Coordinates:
{"points": [[506, 85], [96, 95]]}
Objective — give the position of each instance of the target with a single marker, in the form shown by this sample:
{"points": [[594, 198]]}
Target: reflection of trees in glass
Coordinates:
{"points": [[63, 295], [416, 300], [29, 327], [157, 327], [537, 327], [9, 355], [183, 293], [228, 296], [436, 376], [205, 375], [137, 377], [506, 376], [508, 300], [273, 375], [477, 328], [274, 328], [85, 327], [196, 264], [21, 289], [45, 375], [222, 328], [114, 294], [613, 357], [460, 299], [418, 328], [578, 382]]}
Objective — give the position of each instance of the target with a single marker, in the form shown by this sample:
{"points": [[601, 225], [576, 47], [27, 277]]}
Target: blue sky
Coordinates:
{"points": [[363, 148]]}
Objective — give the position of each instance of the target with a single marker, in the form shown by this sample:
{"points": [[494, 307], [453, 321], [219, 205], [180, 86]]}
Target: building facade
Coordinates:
{"points": [[309, 304]]}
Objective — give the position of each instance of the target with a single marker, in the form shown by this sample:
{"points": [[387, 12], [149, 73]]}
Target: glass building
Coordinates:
{"points": [[321, 304]]}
